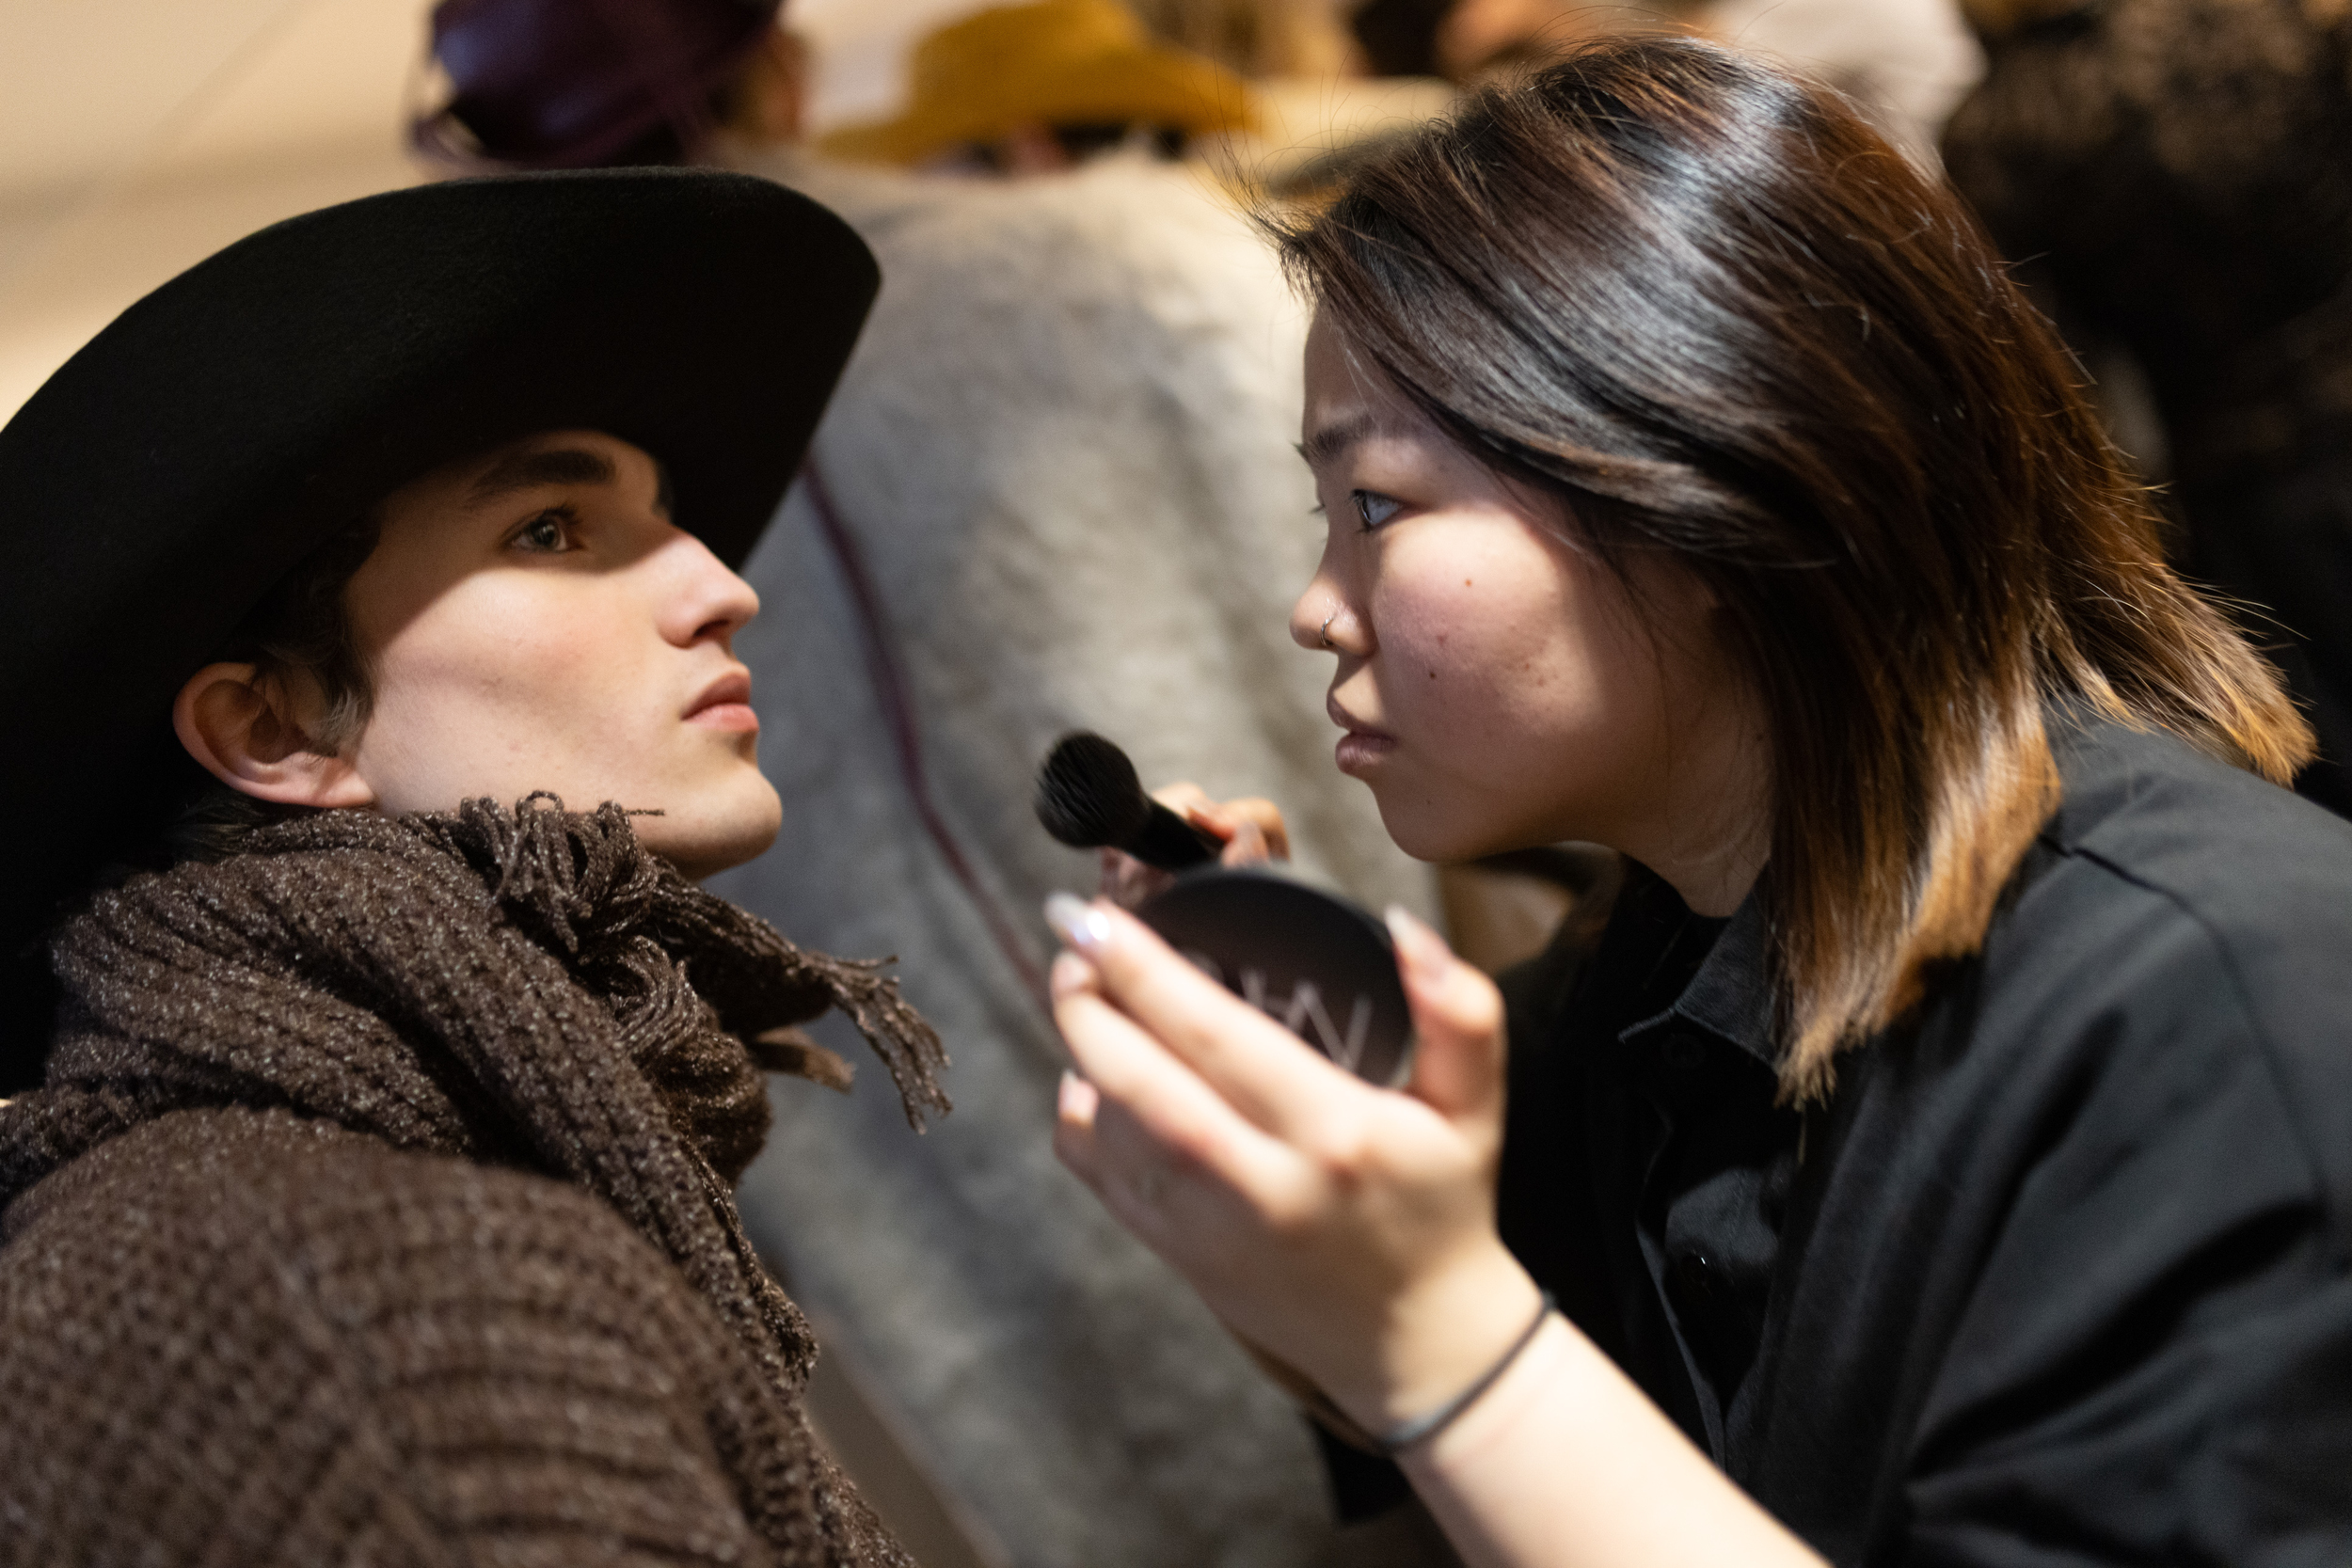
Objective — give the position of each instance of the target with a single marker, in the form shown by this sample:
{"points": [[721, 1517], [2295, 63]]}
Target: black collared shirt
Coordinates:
{"points": [[2062, 1274]]}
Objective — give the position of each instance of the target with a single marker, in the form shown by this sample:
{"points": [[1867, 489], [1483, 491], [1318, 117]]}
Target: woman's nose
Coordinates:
{"points": [[1321, 621], [1309, 613]]}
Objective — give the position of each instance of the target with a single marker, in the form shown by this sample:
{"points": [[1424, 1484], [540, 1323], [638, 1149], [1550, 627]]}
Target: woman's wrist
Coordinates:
{"points": [[1442, 1339], [1549, 1366], [1427, 1427], [1565, 1460]]}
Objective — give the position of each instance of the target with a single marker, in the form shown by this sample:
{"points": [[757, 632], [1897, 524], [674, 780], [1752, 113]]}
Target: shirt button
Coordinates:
{"points": [[1694, 1278], [1684, 1053]]}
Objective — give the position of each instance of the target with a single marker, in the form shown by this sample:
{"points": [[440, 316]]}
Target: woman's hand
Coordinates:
{"points": [[1250, 828], [1347, 1229]]}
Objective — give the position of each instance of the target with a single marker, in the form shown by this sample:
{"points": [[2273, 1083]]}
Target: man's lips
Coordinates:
{"points": [[726, 703]]}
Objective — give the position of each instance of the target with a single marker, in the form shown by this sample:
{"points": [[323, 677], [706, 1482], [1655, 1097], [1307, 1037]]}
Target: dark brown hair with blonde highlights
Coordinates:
{"points": [[1699, 299]]}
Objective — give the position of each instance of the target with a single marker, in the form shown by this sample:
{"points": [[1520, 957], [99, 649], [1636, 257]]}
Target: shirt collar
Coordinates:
{"points": [[1731, 995]]}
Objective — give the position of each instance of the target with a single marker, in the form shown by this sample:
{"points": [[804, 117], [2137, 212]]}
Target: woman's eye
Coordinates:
{"points": [[1373, 509], [549, 533]]}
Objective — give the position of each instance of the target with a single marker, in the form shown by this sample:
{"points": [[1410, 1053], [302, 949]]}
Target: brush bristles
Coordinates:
{"points": [[1087, 794]]}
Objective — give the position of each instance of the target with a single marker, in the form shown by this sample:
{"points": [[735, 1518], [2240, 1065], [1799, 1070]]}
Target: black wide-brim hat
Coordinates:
{"points": [[172, 471]]}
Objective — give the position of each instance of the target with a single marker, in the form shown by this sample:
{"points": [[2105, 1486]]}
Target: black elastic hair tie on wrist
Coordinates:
{"points": [[1420, 1429]]}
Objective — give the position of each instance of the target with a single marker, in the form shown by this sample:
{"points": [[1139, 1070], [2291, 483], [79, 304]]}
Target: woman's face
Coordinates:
{"points": [[1500, 687], [533, 620]]}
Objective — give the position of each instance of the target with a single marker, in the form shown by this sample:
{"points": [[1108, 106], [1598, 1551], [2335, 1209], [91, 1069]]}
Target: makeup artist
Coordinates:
{"points": [[1946, 1154]]}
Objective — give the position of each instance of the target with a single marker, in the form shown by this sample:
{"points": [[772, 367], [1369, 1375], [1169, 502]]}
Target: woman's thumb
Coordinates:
{"points": [[1457, 1017]]}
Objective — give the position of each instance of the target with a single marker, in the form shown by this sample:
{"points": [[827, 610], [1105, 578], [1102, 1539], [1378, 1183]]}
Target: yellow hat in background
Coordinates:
{"points": [[1057, 62]]}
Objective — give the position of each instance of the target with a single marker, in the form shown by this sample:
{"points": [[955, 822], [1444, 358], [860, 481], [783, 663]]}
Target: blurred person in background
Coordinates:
{"points": [[2176, 178], [1056, 490], [1904, 63]]}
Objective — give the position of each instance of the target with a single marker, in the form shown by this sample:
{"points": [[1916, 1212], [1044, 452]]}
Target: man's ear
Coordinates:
{"points": [[242, 730]]}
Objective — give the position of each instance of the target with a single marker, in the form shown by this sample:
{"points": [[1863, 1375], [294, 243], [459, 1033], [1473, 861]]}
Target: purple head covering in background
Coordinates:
{"points": [[573, 84]]}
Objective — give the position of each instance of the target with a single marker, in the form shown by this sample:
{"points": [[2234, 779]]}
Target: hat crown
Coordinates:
{"points": [[1060, 62], [1044, 40]]}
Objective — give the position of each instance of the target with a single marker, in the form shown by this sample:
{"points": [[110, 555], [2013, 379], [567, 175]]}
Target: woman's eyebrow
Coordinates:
{"points": [[1324, 445], [525, 470]]}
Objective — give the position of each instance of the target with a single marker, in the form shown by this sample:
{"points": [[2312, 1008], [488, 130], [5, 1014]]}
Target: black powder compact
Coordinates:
{"points": [[1319, 965], [1316, 964]]}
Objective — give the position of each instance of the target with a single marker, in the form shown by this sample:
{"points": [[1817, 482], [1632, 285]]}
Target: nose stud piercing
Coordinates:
{"points": [[1325, 633]]}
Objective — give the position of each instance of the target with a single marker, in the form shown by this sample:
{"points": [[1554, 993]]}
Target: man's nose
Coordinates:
{"points": [[703, 596]]}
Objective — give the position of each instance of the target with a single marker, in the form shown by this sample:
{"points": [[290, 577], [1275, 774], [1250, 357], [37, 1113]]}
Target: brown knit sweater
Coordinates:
{"points": [[377, 1209]]}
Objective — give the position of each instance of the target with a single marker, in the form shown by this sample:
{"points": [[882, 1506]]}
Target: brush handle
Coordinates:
{"points": [[1168, 842]]}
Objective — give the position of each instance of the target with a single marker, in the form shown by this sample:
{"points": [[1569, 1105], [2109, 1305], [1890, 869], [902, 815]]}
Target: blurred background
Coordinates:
{"points": [[139, 136]]}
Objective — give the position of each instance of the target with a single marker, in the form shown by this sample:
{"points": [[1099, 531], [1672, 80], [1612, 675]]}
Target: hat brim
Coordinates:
{"points": [[1148, 85], [155, 488]]}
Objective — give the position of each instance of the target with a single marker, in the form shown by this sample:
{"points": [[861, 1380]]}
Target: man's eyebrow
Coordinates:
{"points": [[526, 470], [1324, 445]]}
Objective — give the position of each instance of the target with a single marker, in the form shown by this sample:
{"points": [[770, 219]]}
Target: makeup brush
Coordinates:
{"points": [[1088, 797]]}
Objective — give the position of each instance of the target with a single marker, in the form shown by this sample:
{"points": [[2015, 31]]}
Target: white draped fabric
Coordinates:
{"points": [[1063, 455]]}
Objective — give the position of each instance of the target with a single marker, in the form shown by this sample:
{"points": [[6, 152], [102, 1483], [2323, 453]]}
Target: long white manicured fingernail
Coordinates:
{"points": [[1421, 947], [1078, 922]]}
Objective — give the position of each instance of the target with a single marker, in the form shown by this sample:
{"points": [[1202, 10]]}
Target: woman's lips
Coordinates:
{"points": [[1362, 747], [1359, 751], [726, 704]]}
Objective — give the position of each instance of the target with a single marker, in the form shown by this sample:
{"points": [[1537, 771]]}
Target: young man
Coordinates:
{"points": [[374, 1202]]}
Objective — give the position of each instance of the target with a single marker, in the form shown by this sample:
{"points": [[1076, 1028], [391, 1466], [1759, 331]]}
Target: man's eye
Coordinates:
{"points": [[549, 533], [1373, 509]]}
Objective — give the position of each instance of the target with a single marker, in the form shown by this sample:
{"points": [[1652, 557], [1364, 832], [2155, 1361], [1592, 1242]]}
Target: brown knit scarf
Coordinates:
{"points": [[529, 987]]}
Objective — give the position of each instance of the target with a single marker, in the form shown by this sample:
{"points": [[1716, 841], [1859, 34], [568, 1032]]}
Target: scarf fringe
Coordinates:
{"points": [[574, 880], [526, 985]]}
